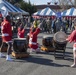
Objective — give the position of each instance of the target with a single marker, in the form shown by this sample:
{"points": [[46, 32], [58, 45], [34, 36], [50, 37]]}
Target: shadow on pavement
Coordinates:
{"points": [[41, 61]]}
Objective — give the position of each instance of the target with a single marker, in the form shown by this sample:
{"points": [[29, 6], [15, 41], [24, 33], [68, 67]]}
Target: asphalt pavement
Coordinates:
{"points": [[43, 63]]}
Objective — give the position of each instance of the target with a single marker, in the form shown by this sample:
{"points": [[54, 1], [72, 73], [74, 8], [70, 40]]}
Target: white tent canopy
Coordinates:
{"points": [[69, 12], [45, 12], [6, 6]]}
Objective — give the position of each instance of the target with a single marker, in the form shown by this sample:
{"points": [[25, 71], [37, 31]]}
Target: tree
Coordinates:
{"points": [[75, 3], [24, 5], [65, 3], [28, 7], [14, 1], [11, 1]]}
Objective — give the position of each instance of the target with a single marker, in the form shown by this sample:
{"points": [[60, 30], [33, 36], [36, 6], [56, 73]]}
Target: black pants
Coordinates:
{"points": [[9, 44]]}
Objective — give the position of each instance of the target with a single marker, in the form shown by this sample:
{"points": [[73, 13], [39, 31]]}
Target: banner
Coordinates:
{"points": [[59, 15]]}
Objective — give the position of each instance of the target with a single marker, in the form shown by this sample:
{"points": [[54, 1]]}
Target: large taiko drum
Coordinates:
{"points": [[60, 40], [47, 41], [19, 45]]}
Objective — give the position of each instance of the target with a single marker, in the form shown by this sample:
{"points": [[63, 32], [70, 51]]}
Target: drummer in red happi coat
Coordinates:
{"points": [[72, 38], [33, 45]]}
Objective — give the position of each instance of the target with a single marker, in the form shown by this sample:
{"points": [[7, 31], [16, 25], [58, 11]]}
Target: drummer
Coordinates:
{"points": [[21, 31], [33, 45], [72, 38], [6, 31]]}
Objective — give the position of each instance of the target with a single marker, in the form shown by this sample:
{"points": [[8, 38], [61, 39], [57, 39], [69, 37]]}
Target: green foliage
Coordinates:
{"points": [[28, 7], [18, 0], [24, 5]]}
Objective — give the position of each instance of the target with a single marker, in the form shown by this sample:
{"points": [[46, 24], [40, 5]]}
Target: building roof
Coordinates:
{"points": [[50, 6], [53, 7]]}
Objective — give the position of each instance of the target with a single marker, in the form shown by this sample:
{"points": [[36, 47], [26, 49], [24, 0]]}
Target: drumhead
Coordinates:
{"points": [[60, 37], [19, 39], [47, 36]]}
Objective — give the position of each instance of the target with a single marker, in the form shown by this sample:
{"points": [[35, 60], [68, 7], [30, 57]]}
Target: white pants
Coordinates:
{"points": [[74, 48]]}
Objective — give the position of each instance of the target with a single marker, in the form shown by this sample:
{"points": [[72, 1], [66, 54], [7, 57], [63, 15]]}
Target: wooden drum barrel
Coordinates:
{"points": [[20, 48], [60, 40], [19, 45], [47, 41]]}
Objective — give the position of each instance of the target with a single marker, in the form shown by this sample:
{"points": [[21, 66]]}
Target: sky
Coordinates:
{"points": [[38, 2]]}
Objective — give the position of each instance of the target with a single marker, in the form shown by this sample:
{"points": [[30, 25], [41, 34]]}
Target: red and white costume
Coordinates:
{"points": [[6, 31], [72, 38], [21, 33], [33, 39]]}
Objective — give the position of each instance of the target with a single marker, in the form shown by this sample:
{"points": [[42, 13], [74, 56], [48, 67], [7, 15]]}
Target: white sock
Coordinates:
{"points": [[8, 58]]}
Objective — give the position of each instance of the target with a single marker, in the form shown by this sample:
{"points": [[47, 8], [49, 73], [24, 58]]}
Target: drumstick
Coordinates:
{"points": [[25, 26]]}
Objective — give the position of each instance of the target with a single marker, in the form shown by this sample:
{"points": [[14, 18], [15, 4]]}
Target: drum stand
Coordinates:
{"points": [[20, 55], [59, 53], [47, 49]]}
